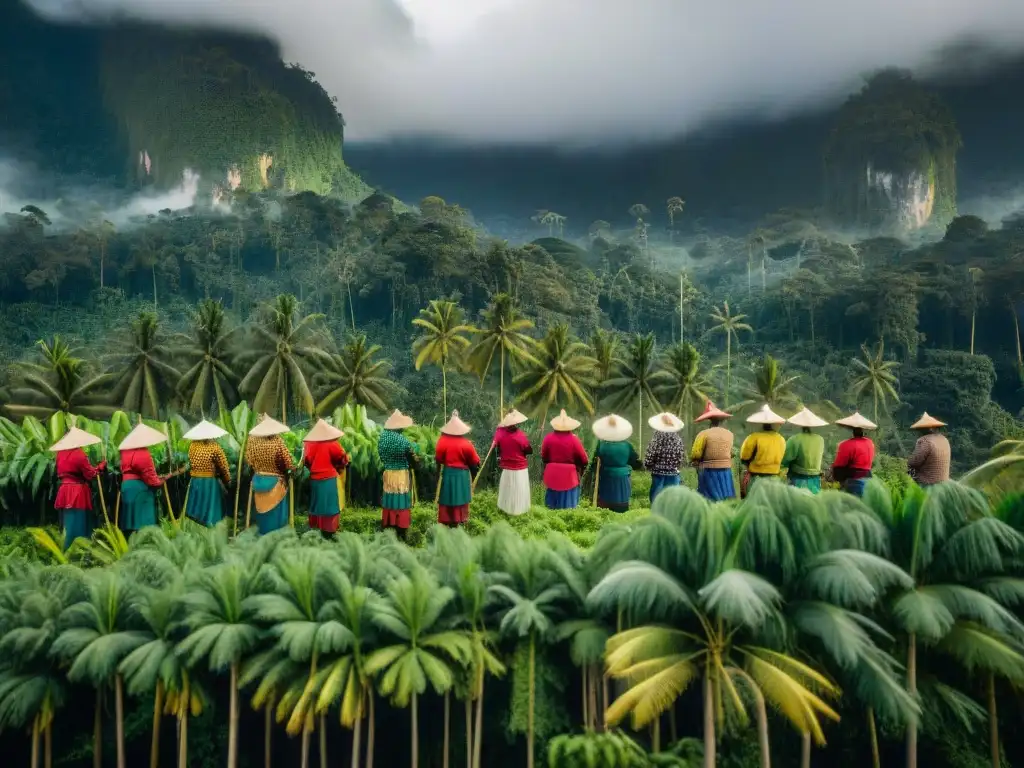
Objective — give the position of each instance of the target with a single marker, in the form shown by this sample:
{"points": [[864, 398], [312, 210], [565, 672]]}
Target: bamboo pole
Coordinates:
{"points": [[117, 509], [440, 478], [597, 478], [291, 501], [482, 465], [412, 486], [238, 480], [248, 506], [99, 486]]}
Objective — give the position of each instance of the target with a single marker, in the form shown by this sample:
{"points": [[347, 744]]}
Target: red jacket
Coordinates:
{"points": [[75, 472], [563, 456], [324, 459], [855, 456], [456, 453], [513, 447], [137, 464]]}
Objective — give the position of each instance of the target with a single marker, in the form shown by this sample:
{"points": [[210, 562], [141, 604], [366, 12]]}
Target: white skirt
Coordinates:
{"points": [[514, 491]]}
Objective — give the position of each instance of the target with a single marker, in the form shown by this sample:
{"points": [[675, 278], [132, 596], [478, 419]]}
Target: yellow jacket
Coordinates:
{"points": [[764, 450]]}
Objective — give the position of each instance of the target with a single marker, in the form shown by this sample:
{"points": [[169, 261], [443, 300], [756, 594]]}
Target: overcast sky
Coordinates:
{"points": [[587, 71]]}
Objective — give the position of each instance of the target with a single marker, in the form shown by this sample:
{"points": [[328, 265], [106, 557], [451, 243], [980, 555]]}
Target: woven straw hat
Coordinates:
{"points": [[712, 412], [398, 420], [563, 422], [766, 416], [142, 437], [665, 422], [806, 418], [927, 422], [513, 418], [455, 426], [322, 432], [856, 421], [75, 438], [268, 427], [612, 429], [204, 430]]}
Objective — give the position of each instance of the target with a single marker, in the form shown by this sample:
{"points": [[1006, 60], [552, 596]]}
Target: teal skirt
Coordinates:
{"points": [[614, 492], [276, 517], [205, 504], [324, 500], [77, 524], [138, 505], [455, 488], [811, 483]]}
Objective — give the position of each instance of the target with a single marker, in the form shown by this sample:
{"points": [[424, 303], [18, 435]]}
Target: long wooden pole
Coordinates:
{"points": [[238, 486], [248, 506], [482, 465], [440, 478], [99, 486], [170, 473], [597, 478]]}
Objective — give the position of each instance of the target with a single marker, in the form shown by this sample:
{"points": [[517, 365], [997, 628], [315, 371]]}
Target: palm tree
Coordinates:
{"points": [[96, 636], [210, 379], [730, 325], [683, 385], [221, 630], [423, 652], [876, 375], [58, 383], [355, 377], [503, 333], [673, 207], [606, 349], [145, 378], [636, 378], [287, 348], [443, 338], [770, 385], [560, 375]]}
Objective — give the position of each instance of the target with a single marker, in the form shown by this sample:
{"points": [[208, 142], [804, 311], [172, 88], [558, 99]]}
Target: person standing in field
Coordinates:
{"points": [[564, 459], [711, 453], [762, 451], [804, 452], [854, 456], [929, 463], [397, 454], [208, 468], [75, 472], [513, 447], [326, 460], [457, 459], [271, 461], [617, 459], [665, 452], [139, 479]]}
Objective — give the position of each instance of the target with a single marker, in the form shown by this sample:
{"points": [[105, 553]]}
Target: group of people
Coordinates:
{"points": [[764, 454]]}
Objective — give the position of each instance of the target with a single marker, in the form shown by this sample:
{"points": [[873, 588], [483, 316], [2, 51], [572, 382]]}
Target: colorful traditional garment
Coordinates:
{"points": [[712, 454], [396, 454], [564, 458], [74, 496], [457, 458], [270, 461], [615, 488], [930, 462], [208, 467], [802, 460], [853, 462], [325, 460], [513, 446], [662, 458], [762, 452], [138, 489]]}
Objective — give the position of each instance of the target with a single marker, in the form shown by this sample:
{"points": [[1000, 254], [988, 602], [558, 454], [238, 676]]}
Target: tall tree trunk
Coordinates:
{"points": [[97, 731], [103, 254], [351, 306], [501, 387], [158, 706], [305, 743], [469, 731], [710, 760], [974, 316], [371, 731], [993, 721], [529, 719], [183, 740], [323, 740], [1016, 334], [586, 697], [595, 672], [284, 406], [48, 745], [444, 389], [357, 732], [682, 325], [478, 735], [805, 751], [35, 742], [811, 313], [762, 730], [876, 757], [728, 365], [268, 733], [447, 727], [912, 690], [415, 751], [640, 425], [119, 714], [603, 725], [656, 735], [233, 718]]}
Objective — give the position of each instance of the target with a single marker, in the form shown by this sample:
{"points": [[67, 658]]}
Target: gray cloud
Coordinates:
{"points": [[588, 71]]}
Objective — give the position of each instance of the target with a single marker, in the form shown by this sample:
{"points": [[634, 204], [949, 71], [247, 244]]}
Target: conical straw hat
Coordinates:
{"points": [[75, 438], [142, 437], [806, 418], [856, 421], [712, 412], [204, 430], [927, 422], [322, 432], [512, 418], [563, 422], [398, 420], [665, 422], [455, 426], [268, 427], [612, 429], [766, 416]]}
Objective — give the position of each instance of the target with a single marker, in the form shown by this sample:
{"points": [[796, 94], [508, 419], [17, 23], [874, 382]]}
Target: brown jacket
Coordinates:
{"points": [[929, 464]]}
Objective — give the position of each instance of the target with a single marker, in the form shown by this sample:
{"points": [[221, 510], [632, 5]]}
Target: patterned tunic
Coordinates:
{"points": [[395, 449], [206, 459], [268, 455], [931, 459], [664, 454]]}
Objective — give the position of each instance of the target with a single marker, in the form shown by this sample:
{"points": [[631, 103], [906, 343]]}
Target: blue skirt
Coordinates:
{"points": [[276, 517], [205, 504], [138, 504], [76, 525], [660, 482], [716, 484], [562, 499], [614, 492], [856, 486]]}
